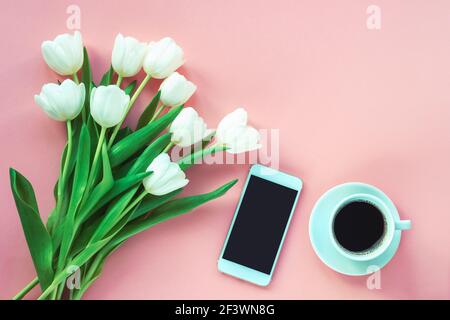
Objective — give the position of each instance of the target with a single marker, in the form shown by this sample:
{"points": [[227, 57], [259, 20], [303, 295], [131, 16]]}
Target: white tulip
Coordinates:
{"points": [[234, 133], [128, 55], [176, 90], [163, 58], [108, 105], [188, 128], [64, 54], [61, 102], [166, 176]]}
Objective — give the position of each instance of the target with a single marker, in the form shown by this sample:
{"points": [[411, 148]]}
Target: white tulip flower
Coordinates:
{"points": [[64, 54], [128, 55], [166, 176], [176, 90], [188, 128], [108, 105], [62, 102], [234, 133], [163, 58]]}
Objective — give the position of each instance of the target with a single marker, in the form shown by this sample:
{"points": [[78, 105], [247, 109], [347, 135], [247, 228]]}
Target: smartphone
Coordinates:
{"points": [[259, 225]]}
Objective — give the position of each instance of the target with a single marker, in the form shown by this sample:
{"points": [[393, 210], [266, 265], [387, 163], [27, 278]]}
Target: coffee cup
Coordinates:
{"points": [[362, 227]]}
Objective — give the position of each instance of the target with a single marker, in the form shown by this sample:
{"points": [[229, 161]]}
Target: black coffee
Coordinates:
{"points": [[358, 226]]}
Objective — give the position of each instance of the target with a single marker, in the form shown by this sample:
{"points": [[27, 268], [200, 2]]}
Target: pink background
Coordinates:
{"points": [[351, 104]]}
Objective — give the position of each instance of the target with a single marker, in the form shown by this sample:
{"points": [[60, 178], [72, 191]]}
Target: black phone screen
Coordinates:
{"points": [[259, 225]]}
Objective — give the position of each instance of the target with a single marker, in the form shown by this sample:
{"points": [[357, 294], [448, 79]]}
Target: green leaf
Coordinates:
{"points": [[75, 137], [183, 205], [94, 134], [102, 188], [128, 146], [123, 132], [85, 234], [57, 233], [107, 224], [122, 170], [206, 140], [150, 153], [149, 111], [142, 161], [86, 78], [96, 267], [38, 239], [57, 237], [196, 157], [168, 211], [79, 261], [86, 209], [129, 89], [81, 170], [89, 251], [151, 202], [120, 186], [107, 77], [121, 221], [51, 220], [79, 186], [113, 215]]}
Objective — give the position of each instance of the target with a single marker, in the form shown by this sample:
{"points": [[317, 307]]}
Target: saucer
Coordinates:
{"points": [[321, 241]]}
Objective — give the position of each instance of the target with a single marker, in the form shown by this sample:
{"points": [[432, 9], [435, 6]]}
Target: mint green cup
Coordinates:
{"points": [[391, 225]]}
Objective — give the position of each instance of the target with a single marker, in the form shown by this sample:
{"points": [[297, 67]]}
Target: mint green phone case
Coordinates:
{"points": [[243, 272]]}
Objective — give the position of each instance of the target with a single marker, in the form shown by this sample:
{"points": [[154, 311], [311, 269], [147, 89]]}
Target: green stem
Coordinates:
{"points": [[132, 101], [135, 202], [97, 237], [63, 178], [69, 149], [59, 291], [77, 81], [75, 78], [56, 281], [77, 294], [95, 160], [26, 289], [167, 148], [91, 179], [54, 294], [119, 80], [157, 113], [187, 161], [100, 255]]}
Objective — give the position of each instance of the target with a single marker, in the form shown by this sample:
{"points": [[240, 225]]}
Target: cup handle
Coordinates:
{"points": [[403, 225]]}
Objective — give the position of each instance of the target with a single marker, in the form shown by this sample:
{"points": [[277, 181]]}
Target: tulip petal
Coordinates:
{"points": [[176, 90], [55, 58], [188, 128], [163, 58], [108, 105], [61, 102], [172, 173], [166, 177], [234, 133], [237, 118], [246, 141], [64, 54], [128, 55]]}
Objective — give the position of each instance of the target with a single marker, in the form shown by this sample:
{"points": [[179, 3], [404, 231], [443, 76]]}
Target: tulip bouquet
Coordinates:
{"points": [[116, 181]]}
